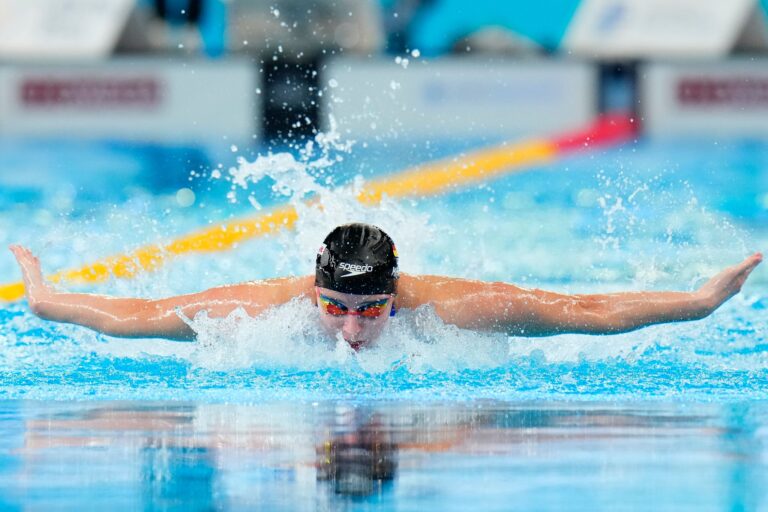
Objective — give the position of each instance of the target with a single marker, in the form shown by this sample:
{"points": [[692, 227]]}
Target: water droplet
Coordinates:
{"points": [[185, 197]]}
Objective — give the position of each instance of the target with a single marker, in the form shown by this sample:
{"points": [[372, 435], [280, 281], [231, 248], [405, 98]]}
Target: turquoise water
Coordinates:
{"points": [[668, 417], [478, 455]]}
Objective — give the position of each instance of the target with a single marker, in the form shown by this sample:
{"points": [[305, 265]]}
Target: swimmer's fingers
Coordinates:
{"points": [[749, 264], [30, 269], [739, 273], [28, 263], [728, 283]]}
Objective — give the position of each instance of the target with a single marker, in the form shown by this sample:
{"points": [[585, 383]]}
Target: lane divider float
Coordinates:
{"points": [[428, 179]]}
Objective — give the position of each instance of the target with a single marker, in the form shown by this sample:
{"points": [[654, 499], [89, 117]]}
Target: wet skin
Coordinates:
{"points": [[464, 303], [358, 331]]}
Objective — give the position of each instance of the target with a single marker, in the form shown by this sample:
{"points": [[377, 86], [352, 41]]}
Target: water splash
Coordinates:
{"points": [[663, 231], [290, 337], [307, 182]]}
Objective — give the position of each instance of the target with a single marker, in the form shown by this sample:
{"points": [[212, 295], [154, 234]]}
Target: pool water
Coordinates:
{"points": [[268, 413], [391, 455]]}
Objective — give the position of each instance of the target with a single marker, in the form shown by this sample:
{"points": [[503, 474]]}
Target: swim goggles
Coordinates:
{"points": [[335, 308]]}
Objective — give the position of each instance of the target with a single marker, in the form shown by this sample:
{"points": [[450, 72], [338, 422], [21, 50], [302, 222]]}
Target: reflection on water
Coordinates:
{"points": [[361, 457], [351, 455]]}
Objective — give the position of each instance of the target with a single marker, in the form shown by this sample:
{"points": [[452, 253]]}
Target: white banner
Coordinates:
{"points": [[459, 97], [726, 98], [615, 29], [150, 100], [48, 29]]}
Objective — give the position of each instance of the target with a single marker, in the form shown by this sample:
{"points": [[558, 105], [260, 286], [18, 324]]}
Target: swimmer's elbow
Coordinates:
{"points": [[147, 319], [596, 315], [157, 321], [174, 332], [566, 315]]}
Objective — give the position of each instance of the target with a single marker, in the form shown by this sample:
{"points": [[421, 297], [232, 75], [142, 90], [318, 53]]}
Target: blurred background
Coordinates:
{"points": [[113, 95], [264, 72]]}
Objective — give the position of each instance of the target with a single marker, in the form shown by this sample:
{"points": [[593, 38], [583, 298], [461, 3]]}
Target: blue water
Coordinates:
{"points": [[670, 417], [481, 455]]}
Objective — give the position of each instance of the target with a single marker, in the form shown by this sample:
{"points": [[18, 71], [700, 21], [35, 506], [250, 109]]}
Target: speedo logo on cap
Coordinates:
{"points": [[354, 270]]}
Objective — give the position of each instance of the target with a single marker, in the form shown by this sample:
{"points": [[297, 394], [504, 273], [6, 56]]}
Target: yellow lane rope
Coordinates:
{"points": [[435, 177], [424, 180]]}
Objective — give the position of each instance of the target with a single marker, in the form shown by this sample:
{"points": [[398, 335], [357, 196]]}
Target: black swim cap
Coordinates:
{"points": [[359, 259]]}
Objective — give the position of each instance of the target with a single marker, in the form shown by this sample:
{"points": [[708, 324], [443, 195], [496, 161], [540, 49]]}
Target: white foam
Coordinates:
{"points": [[290, 336]]}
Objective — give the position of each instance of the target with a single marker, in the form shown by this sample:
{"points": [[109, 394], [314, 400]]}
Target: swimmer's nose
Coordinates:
{"points": [[353, 326]]}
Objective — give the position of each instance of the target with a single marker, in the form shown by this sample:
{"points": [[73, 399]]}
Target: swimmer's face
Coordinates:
{"points": [[369, 315]]}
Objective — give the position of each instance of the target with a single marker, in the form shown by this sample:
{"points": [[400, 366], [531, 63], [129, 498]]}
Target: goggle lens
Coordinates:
{"points": [[372, 310], [334, 309]]}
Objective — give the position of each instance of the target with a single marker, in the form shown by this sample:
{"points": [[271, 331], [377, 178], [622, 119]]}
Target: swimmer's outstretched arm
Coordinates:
{"points": [[149, 318], [522, 312]]}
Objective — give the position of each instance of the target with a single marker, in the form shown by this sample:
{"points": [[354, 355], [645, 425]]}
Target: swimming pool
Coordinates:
{"points": [[267, 412]]}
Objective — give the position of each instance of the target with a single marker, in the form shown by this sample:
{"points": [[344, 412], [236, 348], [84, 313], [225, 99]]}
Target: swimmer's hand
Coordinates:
{"points": [[35, 285], [130, 317], [728, 283]]}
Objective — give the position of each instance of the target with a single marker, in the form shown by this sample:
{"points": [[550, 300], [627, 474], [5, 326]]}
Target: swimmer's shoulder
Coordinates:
{"points": [[273, 291], [415, 290], [283, 289]]}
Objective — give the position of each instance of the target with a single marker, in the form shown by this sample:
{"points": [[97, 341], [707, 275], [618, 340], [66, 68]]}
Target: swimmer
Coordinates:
{"points": [[357, 288]]}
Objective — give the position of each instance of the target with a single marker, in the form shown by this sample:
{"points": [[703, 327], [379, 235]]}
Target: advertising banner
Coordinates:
{"points": [[723, 98], [134, 99], [456, 97]]}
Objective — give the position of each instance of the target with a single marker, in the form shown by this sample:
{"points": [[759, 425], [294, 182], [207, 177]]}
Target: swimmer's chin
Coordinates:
{"points": [[357, 344]]}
